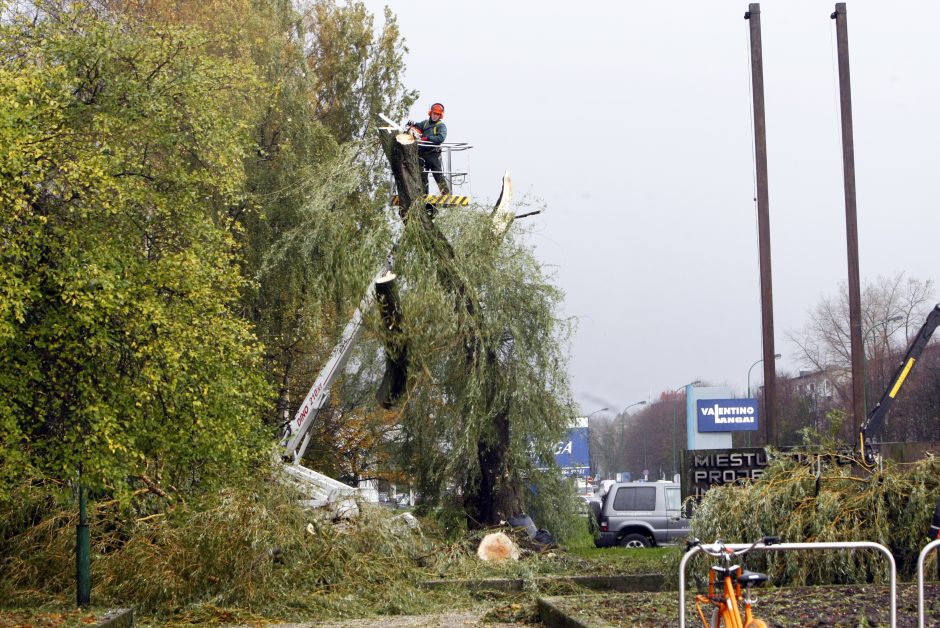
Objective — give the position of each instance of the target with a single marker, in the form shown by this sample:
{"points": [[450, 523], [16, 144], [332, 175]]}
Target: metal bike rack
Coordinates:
{"points": [[920, 580], [779, 547]]}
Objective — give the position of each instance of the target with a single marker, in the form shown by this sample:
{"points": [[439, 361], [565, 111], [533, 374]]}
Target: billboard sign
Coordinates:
{"points": [[710, 467], [726, 415], [573, 453]]}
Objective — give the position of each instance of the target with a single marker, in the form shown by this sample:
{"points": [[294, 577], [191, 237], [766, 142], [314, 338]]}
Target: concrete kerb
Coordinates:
{"points": [[632, 583], [554, 617], [117, 618]]}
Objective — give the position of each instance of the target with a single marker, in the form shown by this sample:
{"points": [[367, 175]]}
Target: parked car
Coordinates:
{"points": [[641, 514]]}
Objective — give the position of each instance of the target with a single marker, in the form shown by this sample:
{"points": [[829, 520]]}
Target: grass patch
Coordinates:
{"points": [[604, 554], [624, 560]]}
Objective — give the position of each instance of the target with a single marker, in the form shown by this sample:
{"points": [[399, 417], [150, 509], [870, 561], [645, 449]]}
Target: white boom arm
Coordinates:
{"points": [[297, 432]]}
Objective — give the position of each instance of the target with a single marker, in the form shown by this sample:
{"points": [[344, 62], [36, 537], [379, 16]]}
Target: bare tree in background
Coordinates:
{"points": [[893, 310], [824, 343]]}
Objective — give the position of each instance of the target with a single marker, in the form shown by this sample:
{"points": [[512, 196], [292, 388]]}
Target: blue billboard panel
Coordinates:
{"points": [[573, 453], [726, 415]]}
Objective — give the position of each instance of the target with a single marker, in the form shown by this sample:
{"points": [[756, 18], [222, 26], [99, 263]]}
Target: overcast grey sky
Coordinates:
{"points": [[632, 121]]}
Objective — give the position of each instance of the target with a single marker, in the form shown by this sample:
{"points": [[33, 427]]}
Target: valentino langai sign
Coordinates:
{"points": [[726, 415], [705, 468]]}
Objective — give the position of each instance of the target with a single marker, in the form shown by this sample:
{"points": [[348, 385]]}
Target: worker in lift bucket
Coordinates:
{"points": [[431, 131]]}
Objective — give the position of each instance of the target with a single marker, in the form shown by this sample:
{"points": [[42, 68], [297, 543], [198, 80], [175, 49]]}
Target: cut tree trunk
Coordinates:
{"points": [[396, 349]]}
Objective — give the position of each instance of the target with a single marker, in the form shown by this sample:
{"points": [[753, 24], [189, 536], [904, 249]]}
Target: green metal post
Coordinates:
{"points": [[82, 554]]}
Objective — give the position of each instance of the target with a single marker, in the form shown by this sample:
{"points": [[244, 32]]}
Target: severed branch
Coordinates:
{"points": [[153, 487], [527, 214]]}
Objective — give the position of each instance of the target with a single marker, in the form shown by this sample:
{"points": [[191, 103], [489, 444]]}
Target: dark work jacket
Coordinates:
{"points": [[434, 132]]}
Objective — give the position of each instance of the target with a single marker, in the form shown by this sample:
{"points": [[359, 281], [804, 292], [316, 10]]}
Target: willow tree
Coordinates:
{"points": [[312, 227], [486, 393]]}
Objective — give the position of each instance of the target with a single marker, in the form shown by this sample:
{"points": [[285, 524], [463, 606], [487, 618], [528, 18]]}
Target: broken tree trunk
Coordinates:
{"points": [[402, 153], [497, 494], [396, 349]]}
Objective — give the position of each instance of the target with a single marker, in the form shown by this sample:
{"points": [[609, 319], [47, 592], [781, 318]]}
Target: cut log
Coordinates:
{"points": [[496, 546]]}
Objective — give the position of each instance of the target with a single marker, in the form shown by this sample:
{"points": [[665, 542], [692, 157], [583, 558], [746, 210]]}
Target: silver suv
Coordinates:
{"points": [[640, 514]]}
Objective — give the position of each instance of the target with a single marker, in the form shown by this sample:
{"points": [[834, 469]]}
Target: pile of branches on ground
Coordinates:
{"points": [[244, 554], [248, 547], [823, 495]]}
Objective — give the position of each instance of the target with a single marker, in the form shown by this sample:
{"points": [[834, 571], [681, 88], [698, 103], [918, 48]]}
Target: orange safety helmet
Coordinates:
{"points": [[437, 108]]}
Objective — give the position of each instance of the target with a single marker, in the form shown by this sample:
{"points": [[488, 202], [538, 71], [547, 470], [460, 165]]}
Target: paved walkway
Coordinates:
{"points": [[455, 619]]}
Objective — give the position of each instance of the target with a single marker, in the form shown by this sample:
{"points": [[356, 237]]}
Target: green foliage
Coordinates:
{"points": [[318, 235], [122, 349], [818, 500], [553, 505], [190, 213], [248, 553], [357, 73], [451, 405]]}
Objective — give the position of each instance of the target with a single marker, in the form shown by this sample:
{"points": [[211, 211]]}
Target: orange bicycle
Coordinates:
{"points": [[735, 587]]}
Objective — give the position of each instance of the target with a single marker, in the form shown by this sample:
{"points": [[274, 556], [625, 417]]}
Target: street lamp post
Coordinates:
{"points": [[623, 417], [675, 419], [777, 356], [892, 319], [591, 453]]}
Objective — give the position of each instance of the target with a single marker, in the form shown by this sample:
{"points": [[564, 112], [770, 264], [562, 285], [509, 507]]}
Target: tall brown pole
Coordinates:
{"points": [[851, 220], [763, 226]]}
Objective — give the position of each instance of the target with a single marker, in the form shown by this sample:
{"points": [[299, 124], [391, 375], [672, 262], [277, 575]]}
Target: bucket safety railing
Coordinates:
{"points": [[448, 150]]}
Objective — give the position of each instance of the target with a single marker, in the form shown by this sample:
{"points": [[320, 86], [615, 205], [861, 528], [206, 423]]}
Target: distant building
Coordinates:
{"points": [[819, 386], [805, 399]]}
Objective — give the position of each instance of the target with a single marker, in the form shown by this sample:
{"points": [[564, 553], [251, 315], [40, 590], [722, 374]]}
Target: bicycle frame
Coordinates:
{"points": [[726, 605]]}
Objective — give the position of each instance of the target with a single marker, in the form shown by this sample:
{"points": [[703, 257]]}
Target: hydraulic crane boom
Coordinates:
{"points": [[297, 431], [876, 418]]}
